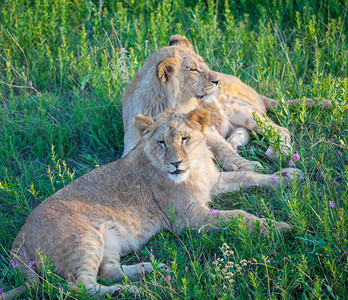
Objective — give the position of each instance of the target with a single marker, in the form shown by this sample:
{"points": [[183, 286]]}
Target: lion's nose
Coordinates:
{"points": [[215, 81], [176, 164]]}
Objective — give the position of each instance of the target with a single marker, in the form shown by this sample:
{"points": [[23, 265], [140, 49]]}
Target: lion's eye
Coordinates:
{"points": [[192, 69], [162, 143], [185, 138]]}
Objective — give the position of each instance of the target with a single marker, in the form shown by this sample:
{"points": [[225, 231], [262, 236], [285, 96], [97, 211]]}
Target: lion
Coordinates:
{"points": [[177, 78], [86, 227]]}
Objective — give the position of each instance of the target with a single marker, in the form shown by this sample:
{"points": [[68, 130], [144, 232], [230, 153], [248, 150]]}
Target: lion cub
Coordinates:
{"points": [[86, 227]]}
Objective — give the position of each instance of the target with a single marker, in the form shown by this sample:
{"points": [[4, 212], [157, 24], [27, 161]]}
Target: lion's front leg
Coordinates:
{"points": [[232, 181], [209, 219], [225, 154]]}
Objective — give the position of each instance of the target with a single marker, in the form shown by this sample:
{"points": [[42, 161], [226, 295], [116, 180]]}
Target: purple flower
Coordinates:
{"points": [[186, 269], [267, 261], [215, 212], [1, 291], [30, 83], [168, 277], [14, 264], [296, 157], [291, 163], [151, 250], [331, 204], [151, 256], [31, 264], [339, 152], [275, 181], [58, 109]]}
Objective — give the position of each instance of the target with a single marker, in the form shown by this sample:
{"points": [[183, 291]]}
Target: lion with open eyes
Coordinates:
{"points": [[176, 78], [86, 227]]}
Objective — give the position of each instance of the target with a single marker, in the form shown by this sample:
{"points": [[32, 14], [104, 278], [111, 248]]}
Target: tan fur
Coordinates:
{"points": [[176, 78], [86, 227]]}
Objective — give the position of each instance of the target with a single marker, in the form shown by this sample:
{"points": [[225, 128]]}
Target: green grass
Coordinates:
{"points": [[63, 67]]}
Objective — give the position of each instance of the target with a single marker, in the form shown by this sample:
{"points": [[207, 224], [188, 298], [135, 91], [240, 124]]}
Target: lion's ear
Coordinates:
{"points": [[167, 68], [142, 123], [200, 116], [179, 40]]}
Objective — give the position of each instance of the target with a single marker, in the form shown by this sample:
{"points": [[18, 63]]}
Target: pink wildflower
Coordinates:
{"points": [[58, 109], [331, 204], [31, 264], [14, 264], [267, 261], [186, 269], [339, 153], [215, 212], [296, 157], [275, 181], [30, 83], [291, 163], [168, 277]]}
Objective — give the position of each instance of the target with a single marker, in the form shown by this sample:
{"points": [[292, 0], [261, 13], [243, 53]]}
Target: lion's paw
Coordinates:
{"points": [[283, 226], [272, 154], [229, 167], [249, 165], [288, 175], [165, 268], [280, 226], [133, 289]]}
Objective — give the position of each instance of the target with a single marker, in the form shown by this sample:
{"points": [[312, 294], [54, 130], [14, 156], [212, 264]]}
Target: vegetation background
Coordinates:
{"points": [[63, 67]]}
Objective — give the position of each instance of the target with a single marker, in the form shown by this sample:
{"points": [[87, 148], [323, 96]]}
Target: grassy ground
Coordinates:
{"points": [[63, 67]]}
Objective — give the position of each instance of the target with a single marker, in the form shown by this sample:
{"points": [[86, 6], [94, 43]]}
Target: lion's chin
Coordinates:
{"points": [[209, 98], [179, 177]]}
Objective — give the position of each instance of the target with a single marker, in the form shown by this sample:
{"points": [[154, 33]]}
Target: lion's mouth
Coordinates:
{"points": [[177, 172], [206, 92]]}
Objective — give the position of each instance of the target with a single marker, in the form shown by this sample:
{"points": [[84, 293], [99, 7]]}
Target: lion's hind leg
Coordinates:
{"points": [[88, 272], [268, 102]]}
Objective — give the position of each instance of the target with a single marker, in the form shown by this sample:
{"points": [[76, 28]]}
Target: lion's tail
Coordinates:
{"points": [[268, 102], [22, 258]]}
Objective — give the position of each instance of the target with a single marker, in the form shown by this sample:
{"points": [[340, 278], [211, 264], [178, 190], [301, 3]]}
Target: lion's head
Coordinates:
{"points": [[186, 75], [171, 140], [172, 78]]}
